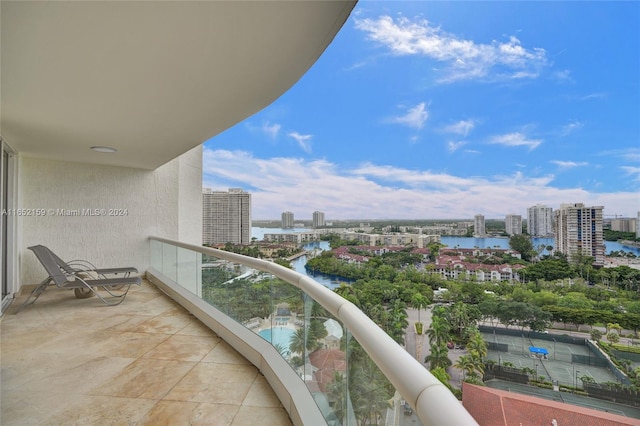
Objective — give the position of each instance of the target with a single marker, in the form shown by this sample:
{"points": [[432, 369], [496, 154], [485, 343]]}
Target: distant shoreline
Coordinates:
{"points": [[629, 243]]}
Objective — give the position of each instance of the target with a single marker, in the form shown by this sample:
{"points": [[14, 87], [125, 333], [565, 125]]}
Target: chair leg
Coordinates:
{"points": [[40, 288], [119, 297]]}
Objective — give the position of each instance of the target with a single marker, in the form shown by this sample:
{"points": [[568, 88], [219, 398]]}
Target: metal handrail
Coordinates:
{"points": [[432, 402]]}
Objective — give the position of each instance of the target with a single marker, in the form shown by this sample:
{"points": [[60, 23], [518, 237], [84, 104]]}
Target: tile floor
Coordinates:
{"points": [[68, 361]]}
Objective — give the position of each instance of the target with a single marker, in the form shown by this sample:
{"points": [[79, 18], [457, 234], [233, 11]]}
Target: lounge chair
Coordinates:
{"points": [[83, 277]]}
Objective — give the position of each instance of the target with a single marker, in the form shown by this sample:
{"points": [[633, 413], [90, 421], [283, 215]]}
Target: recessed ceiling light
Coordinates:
{"points": [[103, 149]]}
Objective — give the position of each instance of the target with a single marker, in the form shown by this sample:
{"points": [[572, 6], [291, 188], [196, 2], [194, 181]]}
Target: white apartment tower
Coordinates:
{"points": [[513, 224], [318, 219], [287, 220], [638, 226], [578, 232], [540, 221], [478, 226], [226, 217], [624, 225]]}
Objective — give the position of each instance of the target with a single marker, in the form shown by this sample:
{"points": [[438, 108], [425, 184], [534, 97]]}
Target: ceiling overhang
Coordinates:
{"points": [[152, 79]]}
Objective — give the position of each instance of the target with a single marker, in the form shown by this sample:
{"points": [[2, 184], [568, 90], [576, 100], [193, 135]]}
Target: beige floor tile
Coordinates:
{"points": [[27, 408], [145, 378], [196, 328], [263, 416], [15, 342], [184, 348], [190, 413], [225, 354], [159, 304], [122, 322], [103, 411], [214, 383], [147, 361], [167, 323], [67, 375], [102, 343], [261, 395]]}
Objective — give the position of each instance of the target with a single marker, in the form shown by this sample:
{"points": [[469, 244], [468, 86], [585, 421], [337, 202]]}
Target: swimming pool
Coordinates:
{"points": [[278, 336]]}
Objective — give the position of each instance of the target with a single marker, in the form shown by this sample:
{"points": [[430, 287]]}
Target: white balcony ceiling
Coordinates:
{"points": [[152, 79]]}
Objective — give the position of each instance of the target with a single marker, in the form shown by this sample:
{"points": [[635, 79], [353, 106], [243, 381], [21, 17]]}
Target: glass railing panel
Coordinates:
{"points": [[156, 255], [345, 382], [312, 341], [188, 270], [222, 286], [169, 261]]}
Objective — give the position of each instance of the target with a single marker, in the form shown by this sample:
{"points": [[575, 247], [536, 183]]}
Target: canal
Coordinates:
{"points": [[332, 282]]}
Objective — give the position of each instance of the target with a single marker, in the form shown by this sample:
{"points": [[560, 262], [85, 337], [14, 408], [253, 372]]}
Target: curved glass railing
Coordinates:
{"points": [[353, 371]]}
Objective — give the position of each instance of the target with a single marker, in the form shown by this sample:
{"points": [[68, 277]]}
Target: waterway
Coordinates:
{"points": [[463, 242], [332, 282]]}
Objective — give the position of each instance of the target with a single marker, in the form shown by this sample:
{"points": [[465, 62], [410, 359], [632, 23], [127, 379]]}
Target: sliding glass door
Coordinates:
{"points": [[6, 225]]}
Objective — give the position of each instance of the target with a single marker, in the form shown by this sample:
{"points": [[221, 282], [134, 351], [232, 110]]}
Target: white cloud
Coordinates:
{"points": [[454, 146], [633, 172], [415, 117], [271, 130], [377, 191], [462, 127], [569, 164], [303, 140], [524, 74], [564, 75], [464, 59], [598, 95], [571, 127], [515, 139], [628, 154]]}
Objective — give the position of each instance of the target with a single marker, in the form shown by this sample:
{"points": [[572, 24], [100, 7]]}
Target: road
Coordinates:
{"points": [[418, 345]]}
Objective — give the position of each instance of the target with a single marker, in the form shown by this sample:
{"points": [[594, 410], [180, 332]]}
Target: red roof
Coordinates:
{"points": [[493, 407], [327, 361]]}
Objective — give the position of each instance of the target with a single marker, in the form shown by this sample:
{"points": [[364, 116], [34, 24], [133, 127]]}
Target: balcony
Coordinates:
{"points": [[210, 351], [146, 361]]}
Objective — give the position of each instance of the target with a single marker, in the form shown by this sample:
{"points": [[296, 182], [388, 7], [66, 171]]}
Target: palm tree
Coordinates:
{"points": [[442, 375], [369, 390], [398, 321], [298, 341], [439, 357], [478, 369], [476, 346], [418, 301], [438, 333], [317, 331], [462, 316], [338, 394], [466, 364]]}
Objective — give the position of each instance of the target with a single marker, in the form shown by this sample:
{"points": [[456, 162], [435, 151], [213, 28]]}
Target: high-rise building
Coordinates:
{"points": [[624, 224], [226, 217], [578, 232], [478, 226], [540, 221], [638, 226], [318, 219], [513, 224], [287, 220]]}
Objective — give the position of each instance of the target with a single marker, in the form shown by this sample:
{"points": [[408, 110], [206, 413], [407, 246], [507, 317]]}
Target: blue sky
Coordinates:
{"points": [[436, 110]]}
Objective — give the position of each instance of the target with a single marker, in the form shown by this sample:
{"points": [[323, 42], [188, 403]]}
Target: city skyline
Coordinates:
{"points": [[448, 110]]}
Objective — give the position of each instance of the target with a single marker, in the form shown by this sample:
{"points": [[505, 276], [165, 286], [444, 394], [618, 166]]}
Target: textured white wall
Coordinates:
{"points": [[190, 197], [166, 202]]}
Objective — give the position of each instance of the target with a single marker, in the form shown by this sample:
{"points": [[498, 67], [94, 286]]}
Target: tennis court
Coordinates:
{"points": [[564, 362]]}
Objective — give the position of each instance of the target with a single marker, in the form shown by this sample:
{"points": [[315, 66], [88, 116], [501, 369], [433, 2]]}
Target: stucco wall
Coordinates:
{"points": [[166, 202]]}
